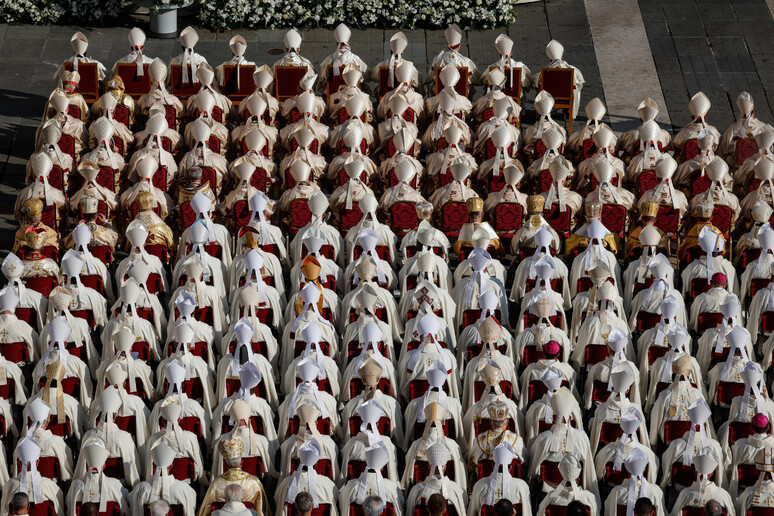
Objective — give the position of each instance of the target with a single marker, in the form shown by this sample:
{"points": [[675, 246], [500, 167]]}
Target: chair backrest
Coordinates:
{"points": [[333, 81], [135, 85], [244, 88], [462, 85], [88, 86], [286, 79], [180, 89], [560, 83]]}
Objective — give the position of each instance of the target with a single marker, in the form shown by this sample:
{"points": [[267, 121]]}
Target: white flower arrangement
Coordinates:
{"points": [[304, 14], [44, 12], [272, 14], [166, 4]]}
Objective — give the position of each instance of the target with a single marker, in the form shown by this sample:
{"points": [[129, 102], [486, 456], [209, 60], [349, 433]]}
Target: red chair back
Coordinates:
{"points": [[507, 218], [745, 148], [135, 85], [16, 352], [403, 217], [690, 149], [44, 285], [707, 320], [614, 218], [560, 221], [675, 430], [646, 180], [667, 219]]}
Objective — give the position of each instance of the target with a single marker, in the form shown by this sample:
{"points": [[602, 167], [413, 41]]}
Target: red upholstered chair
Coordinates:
{"points": [[614, 218], [561, 510], [647, 320], [350, 218], [757, 284], [135, 85], [322, 467], [748, 475], [700, 182], [49, 467], [560, 83], [560, 221], [656, 352], [44, 285], [422, 470], [667, 219], [675, 430], [507, 218], [707, 320], [16, 352], [486, 466], [323, 426], [384, 425], [44, 508], [727, 391], [646, 180], [452, 217], [690, 149], [403, 217], [723, 218], [745, 148], [595, 353], [356, 386]]}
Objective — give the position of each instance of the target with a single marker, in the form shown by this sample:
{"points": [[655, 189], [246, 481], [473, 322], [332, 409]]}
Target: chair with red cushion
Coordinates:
{"points": [[614, 218], [452, 217], [690, 149], [723, 219], [656, 352], [757, 284], [323, 426], [700, 182], [507, 218], [560, 221], [699, 286], [44, 508], [727, 391], [707, 320], [403, 217], [300, 215], [384, 425], [667, 219], [745, 148], [49, 467], [549, 473], [60, 429], [595, 353], [613, 477], [323, 466], [422, 470], [94, 281], [44, 285], [16, 352], [485, 467], [647, 320], [418, 387], [350, 218], [675, 430], [646, 180]]}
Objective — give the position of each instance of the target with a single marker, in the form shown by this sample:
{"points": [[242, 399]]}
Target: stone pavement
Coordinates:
{"points": [[676, 48]]}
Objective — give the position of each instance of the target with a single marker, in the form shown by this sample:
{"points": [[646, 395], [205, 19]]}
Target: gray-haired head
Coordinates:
{"points": [[233, 493], [159, 508], [373, 506]]}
